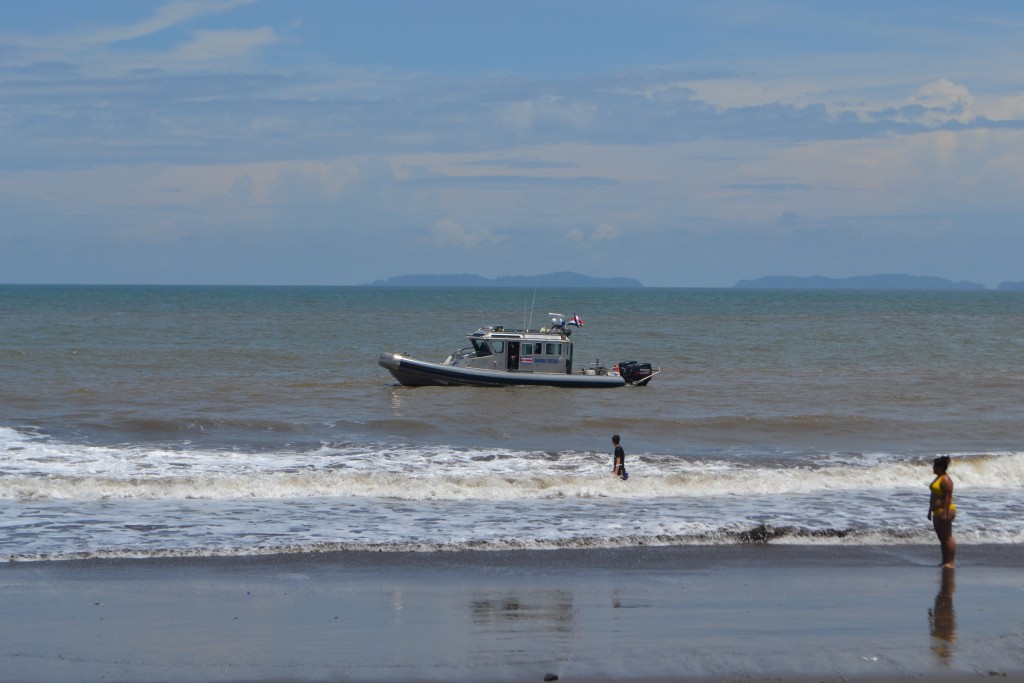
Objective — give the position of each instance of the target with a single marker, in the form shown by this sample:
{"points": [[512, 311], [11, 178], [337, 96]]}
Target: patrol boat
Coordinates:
{"points": [[507, 357]]}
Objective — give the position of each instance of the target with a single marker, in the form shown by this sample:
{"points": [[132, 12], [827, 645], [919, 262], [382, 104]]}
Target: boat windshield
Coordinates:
{"points": [[481, 347]]}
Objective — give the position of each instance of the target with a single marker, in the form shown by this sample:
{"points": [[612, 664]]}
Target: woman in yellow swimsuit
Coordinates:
{"points": [[942, 511]]}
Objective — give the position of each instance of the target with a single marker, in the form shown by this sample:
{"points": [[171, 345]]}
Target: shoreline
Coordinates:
{"points": [[647, 557], [719, 613]]}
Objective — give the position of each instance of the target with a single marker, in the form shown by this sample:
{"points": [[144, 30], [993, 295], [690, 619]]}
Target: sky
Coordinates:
{"points": [[339, 142]]}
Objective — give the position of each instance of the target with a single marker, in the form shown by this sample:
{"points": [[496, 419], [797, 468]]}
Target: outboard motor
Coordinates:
{"points": [[635, 372]]}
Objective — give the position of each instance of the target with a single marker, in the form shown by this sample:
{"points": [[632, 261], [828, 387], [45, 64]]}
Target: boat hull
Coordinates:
{"points": [[417, 373]]}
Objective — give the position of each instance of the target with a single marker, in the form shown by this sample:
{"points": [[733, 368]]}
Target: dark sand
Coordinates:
{"points": [[733, 613]]}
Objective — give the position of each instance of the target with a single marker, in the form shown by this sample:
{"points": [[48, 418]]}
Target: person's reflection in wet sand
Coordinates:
{"points": [[942, 618]]}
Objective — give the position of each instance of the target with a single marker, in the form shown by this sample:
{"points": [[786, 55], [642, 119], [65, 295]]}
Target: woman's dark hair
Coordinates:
{"points": [[942, 462]]}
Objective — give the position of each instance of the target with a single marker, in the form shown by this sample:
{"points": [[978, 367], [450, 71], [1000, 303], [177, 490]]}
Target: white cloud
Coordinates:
{"points": [[548, 110], [605, 231], [602, 233], [733, 93], [215, 46], [943, 101], [448, 233], [1004, 108], [166, 16]]}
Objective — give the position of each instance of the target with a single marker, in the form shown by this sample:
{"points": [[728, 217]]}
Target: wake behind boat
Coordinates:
{"points": [[508, 357]]}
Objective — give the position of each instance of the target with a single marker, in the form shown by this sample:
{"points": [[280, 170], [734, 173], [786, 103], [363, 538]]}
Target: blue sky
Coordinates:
{"points": [[679, 143]]}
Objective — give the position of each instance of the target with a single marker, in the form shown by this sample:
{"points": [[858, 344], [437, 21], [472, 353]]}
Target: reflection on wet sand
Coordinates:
{"points": [[942, 618], [537, 611], [524, 627]]}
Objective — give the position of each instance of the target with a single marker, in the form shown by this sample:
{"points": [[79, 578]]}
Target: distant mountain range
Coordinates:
{"points": [[863, 282], [563, 279], [569, 279]]}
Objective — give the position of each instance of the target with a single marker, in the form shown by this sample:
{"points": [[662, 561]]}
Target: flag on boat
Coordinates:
{"points": [[575, 320]]}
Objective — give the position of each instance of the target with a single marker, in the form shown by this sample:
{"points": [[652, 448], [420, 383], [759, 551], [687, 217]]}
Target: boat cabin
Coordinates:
{"points": [[546, 350]]}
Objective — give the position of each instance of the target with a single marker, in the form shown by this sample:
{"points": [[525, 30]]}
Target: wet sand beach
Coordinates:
{"points": [[717, 613]]}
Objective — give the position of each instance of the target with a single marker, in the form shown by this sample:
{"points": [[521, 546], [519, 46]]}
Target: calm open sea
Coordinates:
{"points": [[155, 421]]}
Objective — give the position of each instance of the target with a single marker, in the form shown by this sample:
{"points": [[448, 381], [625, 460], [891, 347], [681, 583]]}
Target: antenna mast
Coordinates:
{"points": [[531, 306]]}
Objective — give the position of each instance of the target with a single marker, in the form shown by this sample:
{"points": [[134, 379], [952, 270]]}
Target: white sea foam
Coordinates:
{"points": [[69, 500], [36, 468]]}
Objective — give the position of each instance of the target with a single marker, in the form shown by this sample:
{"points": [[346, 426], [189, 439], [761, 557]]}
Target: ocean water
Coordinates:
{"points": [[166, 421]]}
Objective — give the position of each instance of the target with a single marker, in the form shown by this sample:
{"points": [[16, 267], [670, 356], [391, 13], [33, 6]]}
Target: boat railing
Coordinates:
{"points": [[460, 356]]}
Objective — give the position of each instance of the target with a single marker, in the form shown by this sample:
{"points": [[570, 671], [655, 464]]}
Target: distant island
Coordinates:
{"points": [[563, 279], [862, 282], [1011, 286]]}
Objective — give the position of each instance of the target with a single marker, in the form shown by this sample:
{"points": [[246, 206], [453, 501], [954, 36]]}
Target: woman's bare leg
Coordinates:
{"points": [[944, 531]]}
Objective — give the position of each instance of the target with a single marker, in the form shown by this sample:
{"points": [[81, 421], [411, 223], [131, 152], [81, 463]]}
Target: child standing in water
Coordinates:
{"points": [[619, 459]]}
